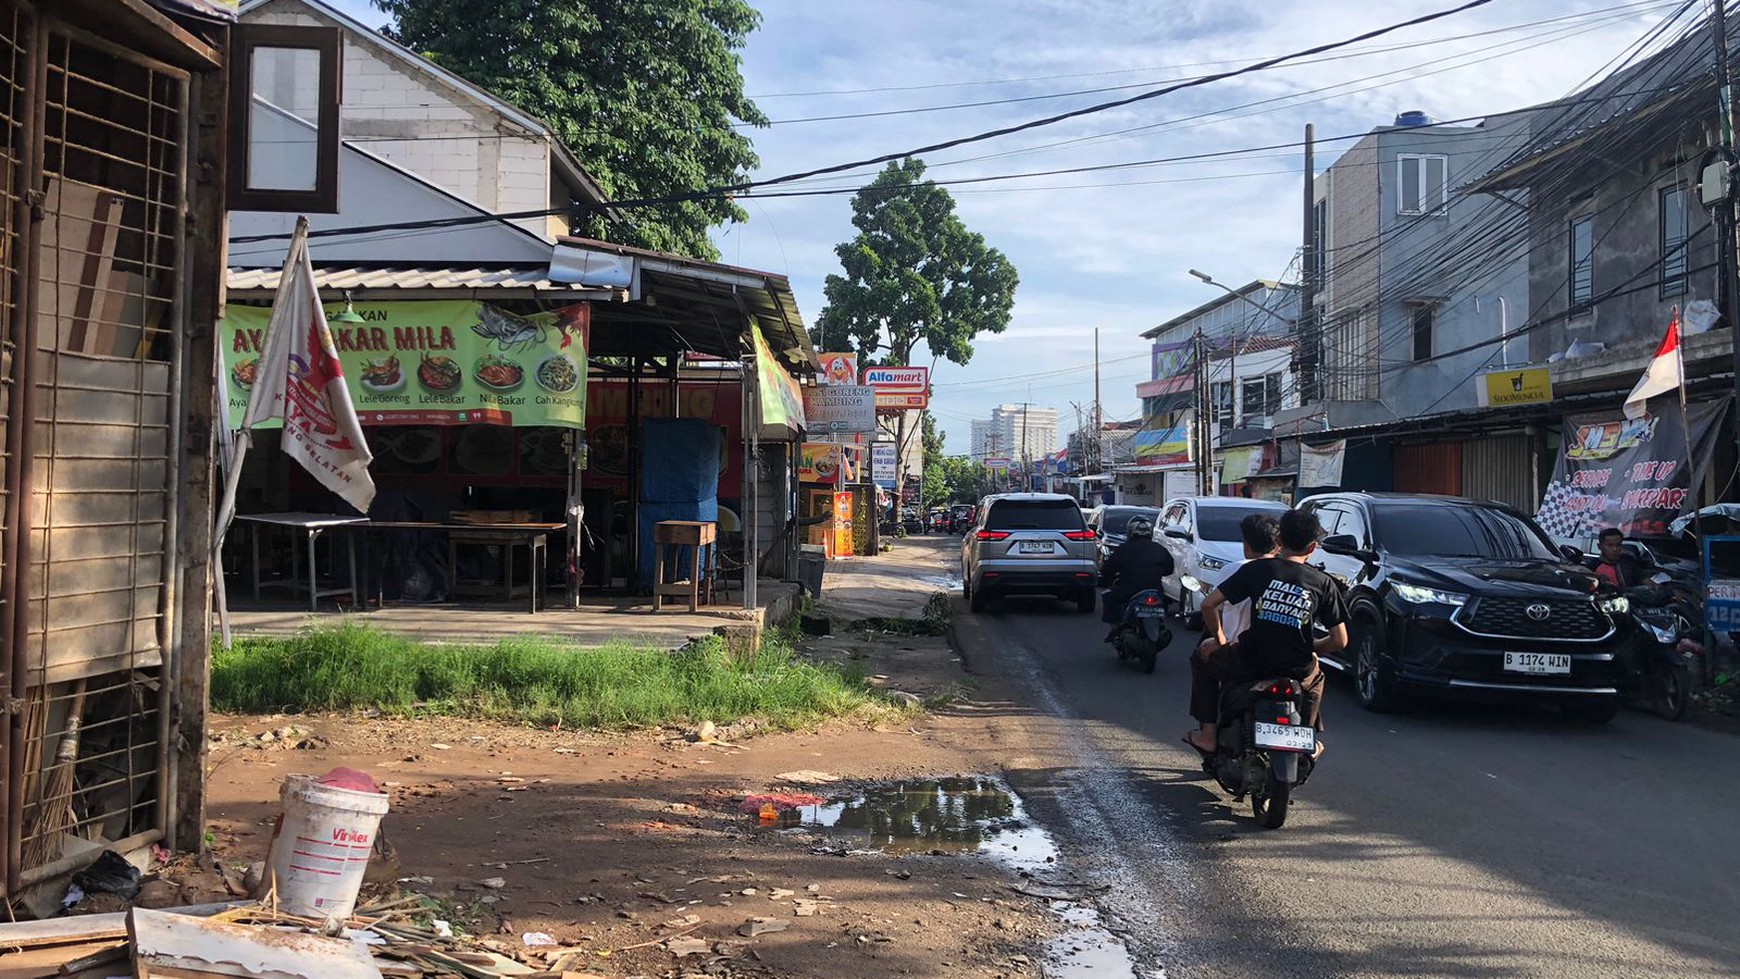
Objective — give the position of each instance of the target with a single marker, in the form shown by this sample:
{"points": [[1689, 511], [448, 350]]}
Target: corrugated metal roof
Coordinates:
{"points": [[534, 279]]}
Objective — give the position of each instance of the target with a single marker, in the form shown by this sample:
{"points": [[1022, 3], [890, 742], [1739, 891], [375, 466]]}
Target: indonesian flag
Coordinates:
{"points": [[300, 381], [1665, 373]]}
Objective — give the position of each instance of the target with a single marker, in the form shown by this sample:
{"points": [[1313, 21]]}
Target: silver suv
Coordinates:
{"points": [[1029, 544]]}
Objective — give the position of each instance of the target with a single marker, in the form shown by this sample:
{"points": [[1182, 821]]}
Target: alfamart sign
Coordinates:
{"points": [[899, 388]]}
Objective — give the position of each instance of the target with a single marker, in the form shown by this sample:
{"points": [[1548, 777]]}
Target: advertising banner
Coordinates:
{"points": [[819, 463], [1172, 359], [1240, 463], [882, 464], [838, 369], [1320, 465], [777, 392], [437, 363], [1161, 447], [1632, 473], [840, 408], [997, 463]]}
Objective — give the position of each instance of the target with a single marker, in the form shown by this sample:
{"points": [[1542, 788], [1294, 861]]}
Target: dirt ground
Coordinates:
{"points": [[613, 842]]}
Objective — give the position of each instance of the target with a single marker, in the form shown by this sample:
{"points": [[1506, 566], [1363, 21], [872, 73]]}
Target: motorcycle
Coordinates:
{"points": [[1263, 748], [1669, 646], [1142, 632]]}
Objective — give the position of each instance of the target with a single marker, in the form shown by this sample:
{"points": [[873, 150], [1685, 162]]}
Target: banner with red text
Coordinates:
{"points": [[1632, 473]]}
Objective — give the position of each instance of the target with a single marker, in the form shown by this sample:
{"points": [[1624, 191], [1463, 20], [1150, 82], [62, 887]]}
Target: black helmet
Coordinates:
{"points": [[1139, 527]]}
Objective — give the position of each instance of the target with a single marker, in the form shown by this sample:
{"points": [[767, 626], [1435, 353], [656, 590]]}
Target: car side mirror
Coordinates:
{"points": [[1343, 544], [1571, 554], [1179, 533], [1660, 578]]}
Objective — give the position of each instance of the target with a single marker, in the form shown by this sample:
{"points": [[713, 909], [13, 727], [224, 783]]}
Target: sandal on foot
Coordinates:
{"points": [[1190, 739]]}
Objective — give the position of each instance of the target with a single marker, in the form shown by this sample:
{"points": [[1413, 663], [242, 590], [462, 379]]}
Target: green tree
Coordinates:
{"points": [[913, 274], [646, 92]]}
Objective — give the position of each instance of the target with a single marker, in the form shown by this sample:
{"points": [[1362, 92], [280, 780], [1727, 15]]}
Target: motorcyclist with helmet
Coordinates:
{"points": [[1138, 564]]}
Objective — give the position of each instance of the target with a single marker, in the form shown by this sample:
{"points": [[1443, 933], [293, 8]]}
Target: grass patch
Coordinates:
{"points": [[616, 687]]}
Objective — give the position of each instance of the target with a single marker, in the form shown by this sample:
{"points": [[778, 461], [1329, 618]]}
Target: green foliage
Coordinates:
{"points": [[914, 272], [955, 479], [615, 687], [645, 92]]}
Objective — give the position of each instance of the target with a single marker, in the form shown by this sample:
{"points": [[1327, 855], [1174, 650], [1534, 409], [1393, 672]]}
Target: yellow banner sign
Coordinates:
{"points": [[1523, 386]]}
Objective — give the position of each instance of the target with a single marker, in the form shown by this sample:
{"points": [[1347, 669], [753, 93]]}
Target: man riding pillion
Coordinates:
{"points": [[1137, 565], [1287, 596]]}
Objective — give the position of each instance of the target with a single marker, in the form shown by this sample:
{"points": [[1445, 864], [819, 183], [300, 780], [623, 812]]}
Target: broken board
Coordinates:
{"points": [[168, 946]]}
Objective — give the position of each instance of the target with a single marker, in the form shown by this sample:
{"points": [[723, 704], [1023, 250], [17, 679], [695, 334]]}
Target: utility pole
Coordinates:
{"points": [[1309, 335], [1726, 286], [1099, 416], [1202, 446]]}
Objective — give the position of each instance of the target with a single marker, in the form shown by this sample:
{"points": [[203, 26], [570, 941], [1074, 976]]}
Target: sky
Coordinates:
{"points": [[1110, 250]]}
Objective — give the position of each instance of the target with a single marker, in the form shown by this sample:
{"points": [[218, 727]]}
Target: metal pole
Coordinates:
{"points": [[1099, 412], [1726, 286], [1202, 448], [1504, 331], [751, 518], [1305, 357]]}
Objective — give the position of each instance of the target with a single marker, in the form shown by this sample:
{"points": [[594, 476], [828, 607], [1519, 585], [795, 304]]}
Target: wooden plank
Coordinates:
{"points": [[217, 948], [208, 253]]}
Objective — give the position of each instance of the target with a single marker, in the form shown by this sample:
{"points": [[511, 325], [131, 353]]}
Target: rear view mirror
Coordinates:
{"points": [[1571, 554], [1179, 533], [1660, 578]]}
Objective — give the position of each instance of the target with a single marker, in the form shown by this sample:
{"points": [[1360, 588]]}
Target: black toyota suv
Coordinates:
{"points": [[1466, 598]]}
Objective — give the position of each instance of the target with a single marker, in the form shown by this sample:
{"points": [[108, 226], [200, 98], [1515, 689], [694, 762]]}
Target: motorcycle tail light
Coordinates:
{"points": [[1282, 720], [1151, 600]]}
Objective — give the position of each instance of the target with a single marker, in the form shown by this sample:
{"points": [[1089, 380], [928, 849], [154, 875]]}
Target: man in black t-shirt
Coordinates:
{"points": [[1287, 597]]}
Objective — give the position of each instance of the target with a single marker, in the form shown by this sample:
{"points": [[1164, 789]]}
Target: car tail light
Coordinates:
{"points": [[993, 534], [1078, 535]]}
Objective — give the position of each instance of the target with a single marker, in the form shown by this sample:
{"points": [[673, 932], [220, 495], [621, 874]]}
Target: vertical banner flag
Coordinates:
{"points": [[1666, 372], [1630, 473], [300, 381]]}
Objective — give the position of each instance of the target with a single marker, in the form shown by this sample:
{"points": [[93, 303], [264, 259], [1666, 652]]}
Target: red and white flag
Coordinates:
{"points": [[300, 381], [1665, 373]]}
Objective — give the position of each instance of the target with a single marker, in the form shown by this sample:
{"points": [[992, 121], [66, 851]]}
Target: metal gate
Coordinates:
{"points": [[1498, 467], [1429, 467], [96, 141]]}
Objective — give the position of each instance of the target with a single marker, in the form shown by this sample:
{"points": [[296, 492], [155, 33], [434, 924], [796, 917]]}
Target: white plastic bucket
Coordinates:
{"points": [[322, 847]]}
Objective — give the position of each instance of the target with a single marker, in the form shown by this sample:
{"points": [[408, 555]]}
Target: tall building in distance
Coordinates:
{"points": [[1017, 432]]}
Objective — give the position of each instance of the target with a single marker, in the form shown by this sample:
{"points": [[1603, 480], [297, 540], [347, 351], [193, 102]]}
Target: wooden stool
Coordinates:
{"points": [[693, 534]]}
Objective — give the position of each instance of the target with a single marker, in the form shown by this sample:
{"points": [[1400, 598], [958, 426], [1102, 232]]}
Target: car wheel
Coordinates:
{"points": [[1086, 601], [1374, 675], [1596, 713], [976, 601]]}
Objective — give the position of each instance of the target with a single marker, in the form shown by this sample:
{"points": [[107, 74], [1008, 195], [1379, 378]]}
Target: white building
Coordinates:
{"points": [[414, 114], [1018, 432]]}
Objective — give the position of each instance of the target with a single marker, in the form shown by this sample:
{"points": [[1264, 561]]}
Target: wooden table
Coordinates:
{"points": [[696, 534], [534, 537], [312, 526]]}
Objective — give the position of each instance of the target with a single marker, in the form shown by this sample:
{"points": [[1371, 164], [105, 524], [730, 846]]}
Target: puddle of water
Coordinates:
{"points": [[945, 582], [973, 815]]}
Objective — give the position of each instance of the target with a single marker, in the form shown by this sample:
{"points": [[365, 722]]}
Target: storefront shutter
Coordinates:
{"points": [[1429, 467], [1496, 467]]}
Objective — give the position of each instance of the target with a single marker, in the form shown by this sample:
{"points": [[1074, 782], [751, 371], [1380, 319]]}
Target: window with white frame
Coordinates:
{"points": [[1422, 183], [1220, 394], [1260, 398]]}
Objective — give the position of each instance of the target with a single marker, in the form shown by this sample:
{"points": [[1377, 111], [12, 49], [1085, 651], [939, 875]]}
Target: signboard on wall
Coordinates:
{"points": [[1523, 386], [840, 408], [820, 463], [997, 463], [1161, 447], [436, 363]]}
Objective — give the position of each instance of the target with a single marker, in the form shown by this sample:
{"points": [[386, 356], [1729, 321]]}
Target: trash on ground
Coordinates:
{"points": [[761, 926]]}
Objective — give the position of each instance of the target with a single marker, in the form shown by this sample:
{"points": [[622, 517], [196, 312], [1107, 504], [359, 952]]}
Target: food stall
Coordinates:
{"points": [[506, 403]]}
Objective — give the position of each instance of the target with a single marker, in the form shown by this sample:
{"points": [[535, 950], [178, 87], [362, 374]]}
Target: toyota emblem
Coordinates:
{"points": [[1539, 611]]}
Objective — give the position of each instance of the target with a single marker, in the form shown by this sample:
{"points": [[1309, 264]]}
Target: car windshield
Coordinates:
{"points": [[1117, 522], [1222, 522], [1034, 515], [1433, 530]]}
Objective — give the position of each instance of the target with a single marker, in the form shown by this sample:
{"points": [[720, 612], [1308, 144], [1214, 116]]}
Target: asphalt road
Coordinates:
{"points": [[1453, 841]]}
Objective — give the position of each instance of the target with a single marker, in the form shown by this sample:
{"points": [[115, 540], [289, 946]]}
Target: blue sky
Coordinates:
{"points": [[1110, 249]]}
